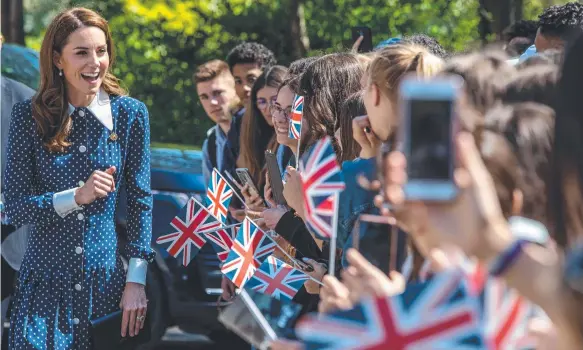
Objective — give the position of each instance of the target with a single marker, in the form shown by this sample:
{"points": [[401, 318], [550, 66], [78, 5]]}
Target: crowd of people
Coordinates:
{"points": [[518, 213]]}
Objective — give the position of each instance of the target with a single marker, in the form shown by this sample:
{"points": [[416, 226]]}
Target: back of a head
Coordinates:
{"points": [[517, 46], [325, 84], [536, 83], [296, 69], [484, 75], [253, 53], [520, 29], [429, 43], [529, 128], [550, 56], [392, 63], [561, 21]]}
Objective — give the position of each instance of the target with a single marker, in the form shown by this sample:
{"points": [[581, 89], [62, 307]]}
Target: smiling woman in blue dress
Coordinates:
{"points": [[69, 149]]}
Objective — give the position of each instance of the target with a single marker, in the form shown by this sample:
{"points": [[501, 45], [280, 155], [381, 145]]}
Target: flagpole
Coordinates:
{"points": [[221, 228], [233, 187], [332, 264], [298, 154]]}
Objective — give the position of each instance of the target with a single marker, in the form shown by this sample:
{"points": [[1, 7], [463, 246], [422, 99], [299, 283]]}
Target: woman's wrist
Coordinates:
{"points": [[499, 240]]}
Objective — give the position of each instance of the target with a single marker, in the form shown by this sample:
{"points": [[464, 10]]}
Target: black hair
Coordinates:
{"points": [[429, 43], [520, 29], [298, 67], [518, 45], [250, 52], [561, 20]]}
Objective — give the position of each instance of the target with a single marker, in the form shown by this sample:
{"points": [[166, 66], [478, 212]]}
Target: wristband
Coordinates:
{"points": [[506, 259]]}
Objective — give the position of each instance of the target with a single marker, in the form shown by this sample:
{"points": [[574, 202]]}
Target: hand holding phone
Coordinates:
{"points": [[429, 124], [362, 39], [275, 180], [246, 179]]}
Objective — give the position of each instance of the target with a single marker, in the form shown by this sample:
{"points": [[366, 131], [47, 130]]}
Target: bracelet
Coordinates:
{"points": [[507, 258]]}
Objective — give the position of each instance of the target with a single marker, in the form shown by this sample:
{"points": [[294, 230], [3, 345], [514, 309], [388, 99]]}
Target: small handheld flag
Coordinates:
{"points": [[218, 196], [276, 278], [295, 123]]}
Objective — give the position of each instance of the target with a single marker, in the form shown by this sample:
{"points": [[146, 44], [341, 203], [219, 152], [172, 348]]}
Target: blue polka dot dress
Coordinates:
{"points": [[72, 272]]}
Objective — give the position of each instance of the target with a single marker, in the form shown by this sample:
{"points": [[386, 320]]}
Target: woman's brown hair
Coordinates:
{"points": [[257, 135], [50, 103]]}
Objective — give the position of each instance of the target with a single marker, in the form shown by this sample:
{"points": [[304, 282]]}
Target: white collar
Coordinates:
{"points": [[100, 108]]}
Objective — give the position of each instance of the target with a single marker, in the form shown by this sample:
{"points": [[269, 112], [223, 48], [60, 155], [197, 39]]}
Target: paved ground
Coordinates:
{"points": [[176, 339]]}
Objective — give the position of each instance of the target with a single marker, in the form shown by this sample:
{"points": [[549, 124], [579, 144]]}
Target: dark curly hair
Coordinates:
{"points": [[429, 43], [250, 52], [520, 29], [561, 20]]}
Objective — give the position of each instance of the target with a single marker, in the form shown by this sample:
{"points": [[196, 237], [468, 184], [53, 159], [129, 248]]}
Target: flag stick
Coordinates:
{"points": [[332, 264], [220, 228], [233, 187]]}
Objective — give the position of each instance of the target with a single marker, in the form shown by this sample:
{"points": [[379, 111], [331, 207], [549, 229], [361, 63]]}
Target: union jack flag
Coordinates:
{"points": [[222, 240], [218, 196], [276, 278], [184, 237], [322, 182], [420, 318], [505, 313], [250, 248], [295, 122]]}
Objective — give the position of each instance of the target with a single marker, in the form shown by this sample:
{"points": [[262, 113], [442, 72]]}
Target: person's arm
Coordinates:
{"points": [[537, 275], [25, 202], [139, 197], [293, 230]]}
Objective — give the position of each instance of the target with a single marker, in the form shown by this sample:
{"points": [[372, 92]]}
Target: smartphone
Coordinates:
{"points": [[380, 243], [366, 32], [428, 127], [233, 182], [246, 179], [274, 178]]}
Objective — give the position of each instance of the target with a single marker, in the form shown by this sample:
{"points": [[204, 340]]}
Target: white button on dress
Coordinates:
{"points": [[77, 287], [78, 250], [80, 216], [81, 113], [76, 320], [82, 149]]}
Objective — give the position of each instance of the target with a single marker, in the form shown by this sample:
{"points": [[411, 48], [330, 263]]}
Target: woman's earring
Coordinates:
{"points": [[60, 72]]}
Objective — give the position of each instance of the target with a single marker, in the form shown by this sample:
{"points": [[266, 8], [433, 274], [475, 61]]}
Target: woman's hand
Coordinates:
{"points": [[99, 185], [273, 215], [356, 44], [333, 296], [134, 305], [362, 133], [252, 201], [285, 344], [228, 288], [238, 214], [362, 278], [293, 192], [473, 221], [319, 271]]}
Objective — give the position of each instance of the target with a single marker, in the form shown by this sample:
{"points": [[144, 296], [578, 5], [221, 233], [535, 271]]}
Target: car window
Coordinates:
{"points": [[21, 64]]}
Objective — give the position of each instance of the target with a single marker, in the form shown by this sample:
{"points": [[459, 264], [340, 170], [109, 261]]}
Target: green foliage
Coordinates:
{"points": [[159, 43]]}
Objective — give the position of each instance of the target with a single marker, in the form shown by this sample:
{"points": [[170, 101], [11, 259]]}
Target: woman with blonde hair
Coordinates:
{"points": [[69, 149]]}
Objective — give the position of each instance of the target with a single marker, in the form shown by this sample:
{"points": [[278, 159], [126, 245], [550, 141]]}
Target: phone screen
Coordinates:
{"points": [[430, 139]]}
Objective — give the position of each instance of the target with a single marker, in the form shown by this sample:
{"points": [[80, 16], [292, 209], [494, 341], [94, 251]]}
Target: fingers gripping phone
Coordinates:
{"points": [[428, 127], [246, 179], [366, 33]]}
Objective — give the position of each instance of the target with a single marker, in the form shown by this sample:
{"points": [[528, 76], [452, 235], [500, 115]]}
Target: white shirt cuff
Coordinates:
{"points": [[137, 270], [64, 202]]}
